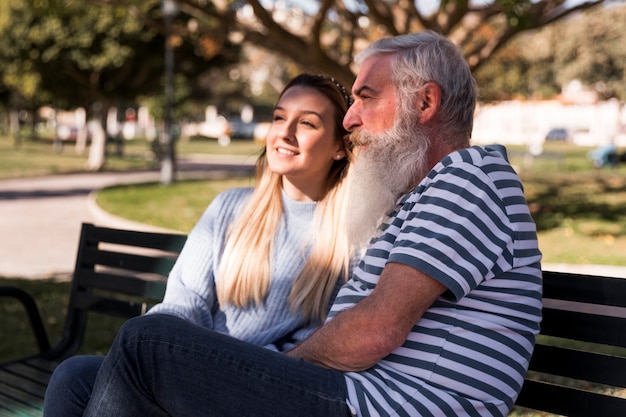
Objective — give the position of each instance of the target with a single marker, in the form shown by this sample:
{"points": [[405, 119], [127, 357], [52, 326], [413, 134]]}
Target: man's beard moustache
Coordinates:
{"points": [[392, 162]]}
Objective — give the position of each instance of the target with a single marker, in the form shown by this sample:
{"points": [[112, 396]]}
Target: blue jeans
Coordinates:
{"points": [[71, 385], [161, 365]]}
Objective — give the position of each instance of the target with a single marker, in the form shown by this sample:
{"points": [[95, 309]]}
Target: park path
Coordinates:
{"points": [[40, 217]]}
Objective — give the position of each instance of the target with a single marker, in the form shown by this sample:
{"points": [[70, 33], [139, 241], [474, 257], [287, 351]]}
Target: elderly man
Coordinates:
{"points": [[441, 315]]}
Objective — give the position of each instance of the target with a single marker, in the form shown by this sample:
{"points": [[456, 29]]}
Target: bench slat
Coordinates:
{"points": [[21, 383], [110, 306], [569, 401], [11, 407], [584, 326], [584, 288], [129, 285], [28, 372], [40, 363], [170, 242], [126, 261], [577, 364]]}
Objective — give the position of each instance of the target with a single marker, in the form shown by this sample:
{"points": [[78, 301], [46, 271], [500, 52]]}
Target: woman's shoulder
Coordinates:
{"points": [[226, 205], [232, 197]]}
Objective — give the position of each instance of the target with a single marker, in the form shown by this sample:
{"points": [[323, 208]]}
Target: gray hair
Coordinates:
{"points": [[427, 56]]}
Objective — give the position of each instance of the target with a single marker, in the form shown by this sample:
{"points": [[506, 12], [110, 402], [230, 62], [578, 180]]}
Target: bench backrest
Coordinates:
{"points": [[580, 313], [118, 272]]}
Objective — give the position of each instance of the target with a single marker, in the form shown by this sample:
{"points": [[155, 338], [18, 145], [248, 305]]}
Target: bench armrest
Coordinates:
{"points": [[34, 317]]}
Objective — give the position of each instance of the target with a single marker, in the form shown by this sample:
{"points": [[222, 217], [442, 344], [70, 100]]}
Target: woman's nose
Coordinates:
{"points": [[287, 131]]}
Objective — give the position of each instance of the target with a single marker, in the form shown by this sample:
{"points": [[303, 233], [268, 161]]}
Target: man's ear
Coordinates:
{"points": [[428, 102]]}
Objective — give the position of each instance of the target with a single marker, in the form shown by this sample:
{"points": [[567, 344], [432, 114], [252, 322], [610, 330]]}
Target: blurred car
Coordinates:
{"points": [[215, 128], [67, 133], [241, 130], [558, 134]]}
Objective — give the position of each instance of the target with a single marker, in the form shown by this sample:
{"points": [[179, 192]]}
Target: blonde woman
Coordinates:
{"points": [[262, 264]]}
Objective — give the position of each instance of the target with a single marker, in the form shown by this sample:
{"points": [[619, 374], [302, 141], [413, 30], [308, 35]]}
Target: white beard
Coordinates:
{"points": [[389, 166]]}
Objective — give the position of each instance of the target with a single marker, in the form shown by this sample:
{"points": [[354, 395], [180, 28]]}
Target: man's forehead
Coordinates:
{"points": [[374, 74]]}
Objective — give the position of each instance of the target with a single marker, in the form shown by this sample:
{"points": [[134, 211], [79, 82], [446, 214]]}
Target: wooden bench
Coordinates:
{"points": [[118, 272], [580, 358], [114, 275]]}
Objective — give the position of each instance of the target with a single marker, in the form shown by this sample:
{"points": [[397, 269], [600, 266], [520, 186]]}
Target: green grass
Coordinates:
{"points": [[39, 157], [580, 216], [176, 207], [33, 157]]}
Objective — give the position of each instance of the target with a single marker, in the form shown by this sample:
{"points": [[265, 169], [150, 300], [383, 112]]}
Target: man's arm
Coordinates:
{"points": [[356, 339]]}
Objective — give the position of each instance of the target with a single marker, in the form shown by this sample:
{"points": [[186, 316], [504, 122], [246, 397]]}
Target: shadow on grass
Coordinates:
{"points": [[599, 201]]}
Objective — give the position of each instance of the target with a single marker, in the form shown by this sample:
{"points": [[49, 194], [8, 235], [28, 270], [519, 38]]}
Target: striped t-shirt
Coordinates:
{"points": [[467, 225]]}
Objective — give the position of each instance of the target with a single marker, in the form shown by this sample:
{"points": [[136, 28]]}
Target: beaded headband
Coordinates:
{"points": [[344, 92]]}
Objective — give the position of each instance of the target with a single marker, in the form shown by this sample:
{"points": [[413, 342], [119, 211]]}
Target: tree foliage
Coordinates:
{"points": [[72, 53], [328, 38], [592, 49]]}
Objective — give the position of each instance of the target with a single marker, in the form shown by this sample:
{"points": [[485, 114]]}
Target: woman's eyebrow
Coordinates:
{"points": [[303, 111]]}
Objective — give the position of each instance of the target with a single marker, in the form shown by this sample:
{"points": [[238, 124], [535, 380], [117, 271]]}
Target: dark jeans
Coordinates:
{"points": [[71, 385], [163, 366]]}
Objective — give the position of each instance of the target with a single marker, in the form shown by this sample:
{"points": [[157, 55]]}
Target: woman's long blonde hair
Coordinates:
{"points": [[244, 274]]}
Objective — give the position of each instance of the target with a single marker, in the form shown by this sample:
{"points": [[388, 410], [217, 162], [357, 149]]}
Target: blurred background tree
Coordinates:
{"points": [[589, 47], [70, 54]]}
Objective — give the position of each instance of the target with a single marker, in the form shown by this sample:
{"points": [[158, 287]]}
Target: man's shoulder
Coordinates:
{"points": [[476, 155], [482, 161]]}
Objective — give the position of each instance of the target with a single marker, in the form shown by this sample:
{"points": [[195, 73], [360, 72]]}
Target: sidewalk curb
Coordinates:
{"points": [[601, 270], [104, 218]]}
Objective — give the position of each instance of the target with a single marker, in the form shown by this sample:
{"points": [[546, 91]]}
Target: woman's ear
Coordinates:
{"points": [[345, 150], [428, 102]]}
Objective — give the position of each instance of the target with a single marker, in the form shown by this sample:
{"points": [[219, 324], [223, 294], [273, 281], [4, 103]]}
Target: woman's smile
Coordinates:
{"points": [[285, 152]]}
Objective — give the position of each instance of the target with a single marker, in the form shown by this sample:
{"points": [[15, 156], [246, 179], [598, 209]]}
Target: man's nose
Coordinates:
{"points": [[351, 120]]}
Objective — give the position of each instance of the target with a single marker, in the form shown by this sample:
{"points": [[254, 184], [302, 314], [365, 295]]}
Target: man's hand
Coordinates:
{"points": [[358, 338]]}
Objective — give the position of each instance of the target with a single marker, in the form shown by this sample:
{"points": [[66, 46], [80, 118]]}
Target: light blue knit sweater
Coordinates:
{"points": [[190, 290]]}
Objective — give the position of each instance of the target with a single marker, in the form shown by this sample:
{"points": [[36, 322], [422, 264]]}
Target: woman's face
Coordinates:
{"points": [[301, 142]]}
